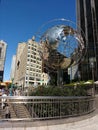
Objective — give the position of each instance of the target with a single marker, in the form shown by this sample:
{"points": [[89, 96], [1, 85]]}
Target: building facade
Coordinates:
{"points": [[3, 47], [12, 73], [31, 68], [87, 19], [20, 49], [28, 66]]}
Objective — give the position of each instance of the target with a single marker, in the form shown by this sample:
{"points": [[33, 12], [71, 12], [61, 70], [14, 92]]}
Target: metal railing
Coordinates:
{"points": [[46, 107]]}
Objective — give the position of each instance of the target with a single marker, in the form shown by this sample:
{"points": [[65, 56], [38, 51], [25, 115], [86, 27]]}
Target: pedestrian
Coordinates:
{"points": [[7, 111], [3, 100]]}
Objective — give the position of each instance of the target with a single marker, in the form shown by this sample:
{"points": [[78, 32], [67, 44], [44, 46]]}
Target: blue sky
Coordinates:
{"points": [[21, 19]]}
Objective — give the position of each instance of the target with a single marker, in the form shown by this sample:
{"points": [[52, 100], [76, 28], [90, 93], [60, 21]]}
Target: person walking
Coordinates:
{"points": [[3, 101], [7, 111]]}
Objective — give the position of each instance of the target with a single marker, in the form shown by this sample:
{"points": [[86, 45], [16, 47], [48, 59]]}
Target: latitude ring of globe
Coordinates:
{"points": [[62, 44]]}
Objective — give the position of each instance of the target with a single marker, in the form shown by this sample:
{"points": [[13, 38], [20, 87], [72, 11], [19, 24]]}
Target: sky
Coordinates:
{"points": [[21, 19]]}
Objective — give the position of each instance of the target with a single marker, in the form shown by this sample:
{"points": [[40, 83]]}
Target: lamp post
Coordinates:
{"points": [[11, 89], [92, 60]]}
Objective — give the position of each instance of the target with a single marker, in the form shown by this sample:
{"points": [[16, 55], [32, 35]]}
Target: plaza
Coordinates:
{"points": [[53, 81]]}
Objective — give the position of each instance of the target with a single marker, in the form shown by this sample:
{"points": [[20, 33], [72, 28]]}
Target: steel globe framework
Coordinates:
{"points": [[62, 45]]}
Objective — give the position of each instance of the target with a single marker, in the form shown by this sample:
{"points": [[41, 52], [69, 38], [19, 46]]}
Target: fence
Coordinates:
{"points": [[46, 107]]}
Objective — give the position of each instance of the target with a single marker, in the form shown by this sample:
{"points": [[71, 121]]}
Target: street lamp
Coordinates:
{"points": [[11, 89], [92, 60]]}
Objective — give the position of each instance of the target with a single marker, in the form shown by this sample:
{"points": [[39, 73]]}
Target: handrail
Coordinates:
{"points": [[46, 107]]}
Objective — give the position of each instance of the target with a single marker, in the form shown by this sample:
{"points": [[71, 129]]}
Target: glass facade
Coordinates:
{"points": [[87, 19]]}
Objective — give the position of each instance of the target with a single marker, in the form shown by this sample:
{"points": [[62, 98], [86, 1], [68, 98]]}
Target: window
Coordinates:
{"points": [[0, 52], [31, 78], [28, 55], [28, 47]]}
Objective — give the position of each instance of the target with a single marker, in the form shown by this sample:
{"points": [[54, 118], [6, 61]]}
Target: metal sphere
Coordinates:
{"points": [[62, 45]]}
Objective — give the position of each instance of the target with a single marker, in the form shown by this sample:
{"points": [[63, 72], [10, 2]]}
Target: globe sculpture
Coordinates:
{"points": [[62, 45]]}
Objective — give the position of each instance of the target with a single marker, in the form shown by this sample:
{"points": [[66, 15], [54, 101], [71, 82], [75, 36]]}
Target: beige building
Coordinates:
{"points": [[28, 70], [12, 73], [3, 46], [20, 49], [44, 78]]}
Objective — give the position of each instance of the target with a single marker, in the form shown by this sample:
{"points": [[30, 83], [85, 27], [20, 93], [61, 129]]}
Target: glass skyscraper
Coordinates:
{"points": [[87, 19]]}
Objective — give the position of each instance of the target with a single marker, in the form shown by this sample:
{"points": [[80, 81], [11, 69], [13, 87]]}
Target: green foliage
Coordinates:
{"points": [[68, 90]]}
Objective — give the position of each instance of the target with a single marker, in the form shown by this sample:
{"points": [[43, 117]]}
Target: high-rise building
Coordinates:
{"points": [[32, 64], [20, 49], [87, 19], [28, 68], [3, 46], [12, 73]]}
